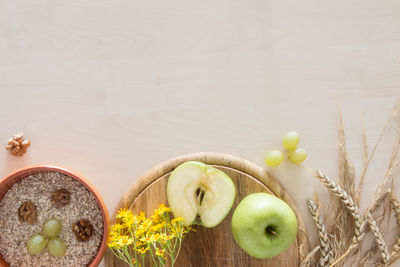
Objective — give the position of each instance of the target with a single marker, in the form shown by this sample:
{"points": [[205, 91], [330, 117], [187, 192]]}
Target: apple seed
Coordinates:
{"points": [[200, 195]]}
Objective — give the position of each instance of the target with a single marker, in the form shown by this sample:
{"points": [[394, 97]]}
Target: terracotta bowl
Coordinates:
{"points": [[16, 176]]}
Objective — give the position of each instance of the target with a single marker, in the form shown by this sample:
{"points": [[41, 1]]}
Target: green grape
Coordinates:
{"points": [[56, 247], [274, 158], [52, 228], [36, 244], [291, 140], [297, 156]]}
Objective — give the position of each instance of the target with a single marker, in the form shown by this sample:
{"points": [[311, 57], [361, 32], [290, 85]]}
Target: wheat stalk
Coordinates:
{"points": [[396, 208], [308, 260], [364, 171], [378, 239], [394, 163], [344, 221], [367, 257], [347, 201], [325, 252], [364, 157], [350, 206], [348, 227]]}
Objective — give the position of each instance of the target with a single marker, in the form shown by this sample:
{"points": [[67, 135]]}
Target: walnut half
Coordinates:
{"points": [[83, 230], [17, 145], [60, 197], [27, 212]]}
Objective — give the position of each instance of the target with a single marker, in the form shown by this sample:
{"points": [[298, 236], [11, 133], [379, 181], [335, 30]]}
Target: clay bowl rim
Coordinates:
{"points": [[16, 176]]}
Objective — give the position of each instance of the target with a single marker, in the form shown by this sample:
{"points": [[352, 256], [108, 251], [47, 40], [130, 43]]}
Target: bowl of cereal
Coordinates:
{"points": [[51, 216]]}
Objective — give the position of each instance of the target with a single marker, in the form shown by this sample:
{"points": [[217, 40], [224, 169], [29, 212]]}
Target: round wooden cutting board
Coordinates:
{"points": [[216, 246]]}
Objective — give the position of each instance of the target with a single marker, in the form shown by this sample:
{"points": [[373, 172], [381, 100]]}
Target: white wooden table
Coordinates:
{"points": [[110, 88]]}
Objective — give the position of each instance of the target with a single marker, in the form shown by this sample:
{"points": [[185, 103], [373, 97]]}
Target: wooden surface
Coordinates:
{"points": [[112, 87], [215, 246]]}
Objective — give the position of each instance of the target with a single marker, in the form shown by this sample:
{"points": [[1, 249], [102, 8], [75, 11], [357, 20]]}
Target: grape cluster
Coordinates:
{"points": [[289, 141], [50, 231]]}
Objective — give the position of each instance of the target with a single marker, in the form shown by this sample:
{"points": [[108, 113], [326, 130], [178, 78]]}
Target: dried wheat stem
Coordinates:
{"points": [[365, 159], [350, 249], [325, 258], [378, 239], [394, 259], [364, 171], [366, 259], [307, 261], [348, 202], [377, 201], [396, 208], [396, 247], [365, 141], [301, 251], [394, 162]]}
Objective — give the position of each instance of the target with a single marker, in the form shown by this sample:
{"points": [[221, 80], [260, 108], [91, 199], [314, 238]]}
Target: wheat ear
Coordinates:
{"points": [[396, 208], [378, 239], [325, 252], [348, 202]]}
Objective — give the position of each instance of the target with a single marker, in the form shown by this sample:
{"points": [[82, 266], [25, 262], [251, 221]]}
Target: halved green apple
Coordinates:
{"points": [[199, 192]]}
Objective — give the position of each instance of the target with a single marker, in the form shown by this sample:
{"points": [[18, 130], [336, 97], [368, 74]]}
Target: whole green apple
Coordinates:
{"points": [[264, 225]]}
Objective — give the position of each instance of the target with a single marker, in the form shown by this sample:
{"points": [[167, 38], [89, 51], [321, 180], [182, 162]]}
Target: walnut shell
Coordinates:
{"points": [[60, 197], [27, 212], [82, 230]]}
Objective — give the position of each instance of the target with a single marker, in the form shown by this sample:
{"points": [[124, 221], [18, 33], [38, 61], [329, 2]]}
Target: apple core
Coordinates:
{"points": [[200, 193]]}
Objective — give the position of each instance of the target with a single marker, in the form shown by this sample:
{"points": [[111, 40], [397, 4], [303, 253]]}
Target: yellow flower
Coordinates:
{"points": [[142, 250], [154, 238], [113, 238], [126, 217], [136, 219], [177, 220], [161, 213], [166, 237], [112, 235], [113, 244], [156, 218], [157, 227], [124, 241], [117, 227], [141, 234], [174, 232], [163, 208], [145, 239], [160, 252], [145, 225], [128, 220], [122, 213]]}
